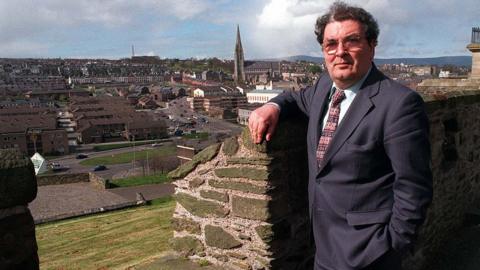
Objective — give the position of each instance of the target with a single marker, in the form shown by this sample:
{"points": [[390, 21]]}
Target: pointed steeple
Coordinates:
{"points": [[239, 73]]}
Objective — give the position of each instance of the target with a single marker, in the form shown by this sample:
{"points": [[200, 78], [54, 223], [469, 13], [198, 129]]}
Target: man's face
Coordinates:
{"points": [[348, 55]]}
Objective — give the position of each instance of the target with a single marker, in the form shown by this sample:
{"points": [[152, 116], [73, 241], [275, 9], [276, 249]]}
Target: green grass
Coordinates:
{"points": [[200, 135], [128, 157], [115, 240], [119, 145], [140, 180]]}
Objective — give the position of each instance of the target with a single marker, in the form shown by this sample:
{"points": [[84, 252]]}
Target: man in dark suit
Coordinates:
{"points": [[368, 149]]}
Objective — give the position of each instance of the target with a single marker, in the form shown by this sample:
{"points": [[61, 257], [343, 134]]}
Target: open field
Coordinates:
{"points": [[115, 240], [165, 150]]}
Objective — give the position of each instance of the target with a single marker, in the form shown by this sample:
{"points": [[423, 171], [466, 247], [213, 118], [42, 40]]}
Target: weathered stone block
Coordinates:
{"points": [[184, 224], [206, 154], [240, 186], [237, 255], [239, 172], [219, 238], [250, 161], [196, 182], [270, 232], [18, 185], [288, 134], [214, 195], [182, 170], [259, 209], [201, 208], [187, 246], [230, 146], [250, 208]]}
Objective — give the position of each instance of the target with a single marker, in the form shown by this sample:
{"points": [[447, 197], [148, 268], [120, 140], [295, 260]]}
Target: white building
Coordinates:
{"points": [[262, 96]]}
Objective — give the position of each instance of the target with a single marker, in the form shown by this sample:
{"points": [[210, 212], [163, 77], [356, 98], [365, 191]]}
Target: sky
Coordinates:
{"points": [[207, 28]]}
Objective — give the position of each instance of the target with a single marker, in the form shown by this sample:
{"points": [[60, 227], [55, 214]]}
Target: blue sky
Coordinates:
{"points": [[207, 28]]}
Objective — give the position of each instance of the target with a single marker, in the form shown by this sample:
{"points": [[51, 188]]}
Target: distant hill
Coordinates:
{"points": [[439, 61]]}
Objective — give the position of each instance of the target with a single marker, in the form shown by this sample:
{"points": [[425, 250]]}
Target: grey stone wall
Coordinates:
{"points": [[243, 206], [60, 179], [455, 139]]}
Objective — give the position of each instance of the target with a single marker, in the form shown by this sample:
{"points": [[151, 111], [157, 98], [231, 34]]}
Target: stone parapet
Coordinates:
{"points": [[245, 206], [18, 187]]}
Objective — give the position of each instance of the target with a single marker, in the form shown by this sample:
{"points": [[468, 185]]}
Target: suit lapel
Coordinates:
{"points": [[360, 106]]}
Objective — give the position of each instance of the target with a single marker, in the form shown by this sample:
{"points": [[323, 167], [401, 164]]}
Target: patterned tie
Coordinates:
{"points": [[331, 125]]}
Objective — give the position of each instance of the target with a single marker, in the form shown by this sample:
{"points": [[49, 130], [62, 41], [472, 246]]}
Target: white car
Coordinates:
{"points": [[58, 167]]}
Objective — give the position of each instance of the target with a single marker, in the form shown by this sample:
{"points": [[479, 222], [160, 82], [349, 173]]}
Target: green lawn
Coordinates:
{"points": [[140, 180], [115, 240], [119, 145], [128, 157], [200, 135]]}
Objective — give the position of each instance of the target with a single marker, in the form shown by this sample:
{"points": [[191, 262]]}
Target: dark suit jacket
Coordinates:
{"points": [[371, 192]]}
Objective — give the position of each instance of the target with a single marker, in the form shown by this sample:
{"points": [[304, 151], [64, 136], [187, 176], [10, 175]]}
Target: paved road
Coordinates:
{"points": [[114, 171]]}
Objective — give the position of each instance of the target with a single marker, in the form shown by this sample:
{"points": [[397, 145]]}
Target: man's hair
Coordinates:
{"points": [[339, 11]]}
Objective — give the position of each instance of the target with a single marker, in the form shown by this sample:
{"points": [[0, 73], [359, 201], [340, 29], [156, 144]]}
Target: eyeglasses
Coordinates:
{"points": [[351, 43]]}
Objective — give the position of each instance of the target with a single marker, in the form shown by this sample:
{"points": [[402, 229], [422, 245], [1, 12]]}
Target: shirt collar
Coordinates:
{"points": [[352, 89]]}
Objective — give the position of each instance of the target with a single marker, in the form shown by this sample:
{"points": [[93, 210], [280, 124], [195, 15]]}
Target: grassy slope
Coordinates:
{"points": [[128, 157], [113, 240], [140, 180]]}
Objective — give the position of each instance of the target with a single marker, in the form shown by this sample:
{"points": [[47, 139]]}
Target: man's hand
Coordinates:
{"points": [[263, 119]]}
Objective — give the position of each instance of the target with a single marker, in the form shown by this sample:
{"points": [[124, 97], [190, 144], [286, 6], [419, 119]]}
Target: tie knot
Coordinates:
{"points": [[338, 97]]}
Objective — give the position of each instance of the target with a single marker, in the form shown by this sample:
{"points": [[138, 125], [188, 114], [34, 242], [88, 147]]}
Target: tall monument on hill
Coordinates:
{"points": [[239, 73], [474, 47]]}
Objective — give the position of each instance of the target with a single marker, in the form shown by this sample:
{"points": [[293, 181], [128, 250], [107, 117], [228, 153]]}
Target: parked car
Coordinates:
{"points": [[57, 167], [99, 168], [81, 156], [178, 132]]}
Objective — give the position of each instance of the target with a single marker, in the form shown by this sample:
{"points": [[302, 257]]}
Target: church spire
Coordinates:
{"points": [[239, 73]]}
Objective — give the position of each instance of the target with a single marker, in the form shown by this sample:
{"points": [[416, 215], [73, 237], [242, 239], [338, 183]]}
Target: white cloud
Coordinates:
{"points": [[285, 27], [34, 19]]}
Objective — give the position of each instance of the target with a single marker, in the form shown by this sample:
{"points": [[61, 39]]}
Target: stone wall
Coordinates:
{"points": [[98, 181], [243, 206], [60, 179], [455, 140]]}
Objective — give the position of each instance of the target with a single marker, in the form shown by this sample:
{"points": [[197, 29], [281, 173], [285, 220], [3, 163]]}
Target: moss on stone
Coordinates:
{"points": [[240, 186], [196, 182], [250, 208], [249, 161], [206, 154], [214, 195], [187, 246], [183, 170], [219, 238], [242, 172], [201, 208], [230, 146], [270, 232]]}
